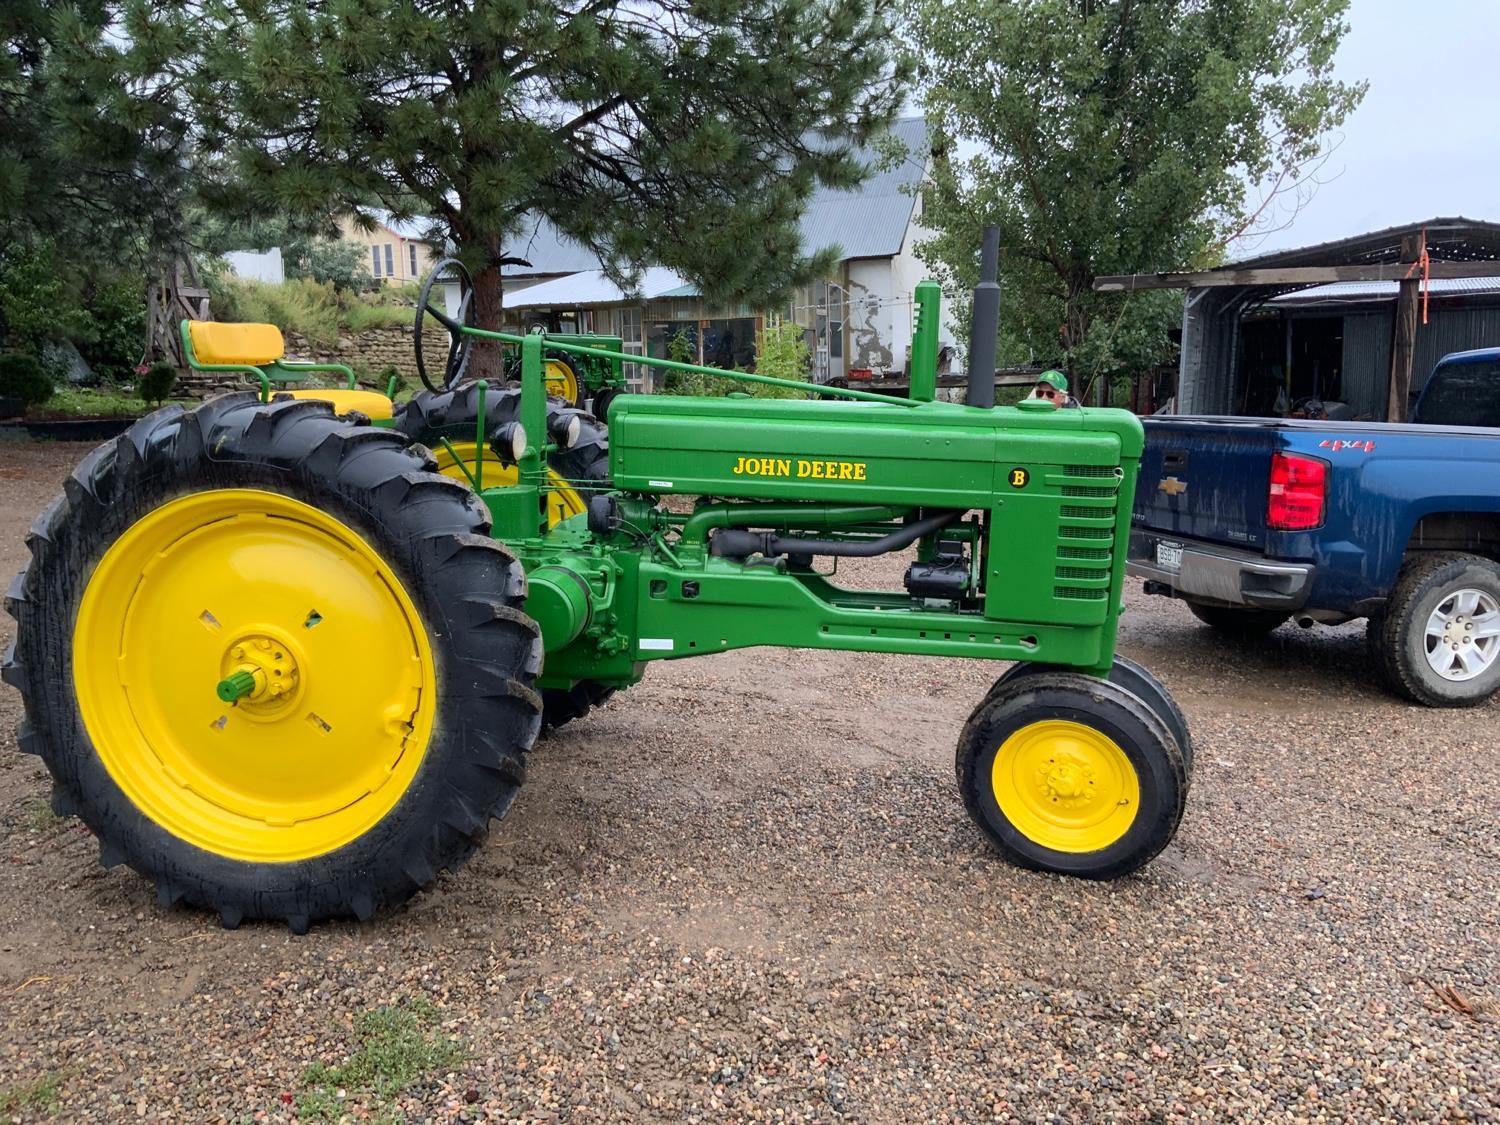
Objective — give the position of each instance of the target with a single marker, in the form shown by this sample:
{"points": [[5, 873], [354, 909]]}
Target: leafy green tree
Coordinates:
{"points": [[1109, 137], [675, 132]]}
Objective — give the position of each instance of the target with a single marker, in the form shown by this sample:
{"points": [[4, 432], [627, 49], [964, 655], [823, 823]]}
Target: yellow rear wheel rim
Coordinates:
{"points": [[563, 500], [256, 583], [560, 381], [1066, 786]]}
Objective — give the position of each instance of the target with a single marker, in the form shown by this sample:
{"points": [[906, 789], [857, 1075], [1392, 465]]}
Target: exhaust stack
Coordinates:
{"points": [[984, 324]]}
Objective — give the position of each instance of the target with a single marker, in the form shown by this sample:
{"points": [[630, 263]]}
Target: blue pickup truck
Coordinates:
{"points": [[1256, 521]]}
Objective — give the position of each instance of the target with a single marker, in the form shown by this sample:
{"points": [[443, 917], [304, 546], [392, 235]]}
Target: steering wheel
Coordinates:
{"points": [[460, 343]]}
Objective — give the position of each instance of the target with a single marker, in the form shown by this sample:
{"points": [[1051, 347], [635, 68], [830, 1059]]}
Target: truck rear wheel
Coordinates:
{"points": [[1234, 622], [273, 661], [1438, 641], [1071, 774]]}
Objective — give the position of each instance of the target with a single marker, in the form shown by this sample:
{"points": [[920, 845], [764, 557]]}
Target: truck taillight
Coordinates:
{"points": [[1299, 492]]}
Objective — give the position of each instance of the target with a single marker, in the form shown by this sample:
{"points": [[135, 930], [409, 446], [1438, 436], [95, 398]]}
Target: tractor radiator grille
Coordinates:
{"points": [[1084, 568]]}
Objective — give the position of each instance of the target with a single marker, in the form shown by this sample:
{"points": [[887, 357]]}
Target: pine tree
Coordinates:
{"points": [[675, 133], [91, 131]]}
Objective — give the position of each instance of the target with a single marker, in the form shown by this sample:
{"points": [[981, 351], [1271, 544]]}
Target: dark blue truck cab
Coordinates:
{"points": [[1255, 521]]}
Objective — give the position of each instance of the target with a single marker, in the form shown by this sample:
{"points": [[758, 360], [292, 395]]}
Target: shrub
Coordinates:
{"points": [[157, 383], [23, 377], [391, 379]]}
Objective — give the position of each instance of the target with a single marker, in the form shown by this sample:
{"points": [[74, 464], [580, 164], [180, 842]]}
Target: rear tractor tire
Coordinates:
{"points": [[274, 661], [576, 473], [1071, 774], [1438, 640]]}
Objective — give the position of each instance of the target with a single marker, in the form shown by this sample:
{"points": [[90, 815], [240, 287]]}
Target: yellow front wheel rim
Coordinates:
{"points": [[1066, 786], [560, 381], [563, 500], [240, 585]]}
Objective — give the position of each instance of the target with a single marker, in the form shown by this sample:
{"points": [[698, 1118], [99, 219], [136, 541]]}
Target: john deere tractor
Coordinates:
{"points": [[285, 668]]}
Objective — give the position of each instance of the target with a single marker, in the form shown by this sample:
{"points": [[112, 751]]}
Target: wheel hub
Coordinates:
{"points": [[1065, 782], [260, 675], [1065, 785], [1463, 635], [211, 656]]}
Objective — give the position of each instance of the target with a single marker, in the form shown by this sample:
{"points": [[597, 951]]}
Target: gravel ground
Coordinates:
{"points": [[747, 890]]}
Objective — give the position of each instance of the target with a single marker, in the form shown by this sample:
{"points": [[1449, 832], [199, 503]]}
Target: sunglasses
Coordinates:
{"points": [[1047, 391]]}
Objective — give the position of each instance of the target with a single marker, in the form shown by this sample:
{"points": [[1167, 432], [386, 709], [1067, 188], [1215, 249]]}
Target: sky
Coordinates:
{"points": [[1425, 142]]}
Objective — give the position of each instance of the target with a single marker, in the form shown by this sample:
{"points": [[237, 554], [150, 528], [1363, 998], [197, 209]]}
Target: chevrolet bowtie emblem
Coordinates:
{"points": [[1172, 486]]}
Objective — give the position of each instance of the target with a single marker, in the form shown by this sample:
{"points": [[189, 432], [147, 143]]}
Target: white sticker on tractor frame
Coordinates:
{"points": [[656, 644]]}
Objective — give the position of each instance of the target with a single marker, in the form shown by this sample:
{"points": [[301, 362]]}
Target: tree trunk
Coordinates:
{"points": [[487, 361]]}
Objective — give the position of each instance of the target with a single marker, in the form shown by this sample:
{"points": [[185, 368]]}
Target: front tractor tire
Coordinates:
{"points": [[273, 661], [1071, 774], [1438, 641]]}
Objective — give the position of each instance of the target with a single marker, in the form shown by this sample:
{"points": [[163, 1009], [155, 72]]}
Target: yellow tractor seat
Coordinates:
{"points": [[372, 404], [252, 344]]}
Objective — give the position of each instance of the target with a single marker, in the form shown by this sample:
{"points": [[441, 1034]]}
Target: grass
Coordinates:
{"points": [[395, 1046], [313, 309], [37, 815], [93, 402], [360, 317], [45, 1093]]}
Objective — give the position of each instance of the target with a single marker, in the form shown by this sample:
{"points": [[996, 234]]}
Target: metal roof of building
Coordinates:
{"points": [[1346, 292], [869, 221], [1453, 239], [592, 287]]}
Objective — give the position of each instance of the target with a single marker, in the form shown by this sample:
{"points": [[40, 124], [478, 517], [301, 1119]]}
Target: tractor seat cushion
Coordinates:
{"points": [[372, 404], [246, 344]]}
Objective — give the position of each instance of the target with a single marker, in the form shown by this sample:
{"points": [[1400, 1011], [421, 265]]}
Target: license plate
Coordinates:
{"points": [[1169, 556]]}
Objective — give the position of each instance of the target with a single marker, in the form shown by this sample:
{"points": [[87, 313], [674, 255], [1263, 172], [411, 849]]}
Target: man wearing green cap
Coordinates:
{"points": [[1052, 386]]}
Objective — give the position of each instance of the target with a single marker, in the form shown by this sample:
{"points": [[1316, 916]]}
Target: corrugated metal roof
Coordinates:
{"points": [[1454, 238], [869, 221], [547, 250], [1343, 292], [591, 287]]}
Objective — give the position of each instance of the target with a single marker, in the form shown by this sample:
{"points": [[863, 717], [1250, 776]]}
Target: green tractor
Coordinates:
{"points": [[285, 668]]}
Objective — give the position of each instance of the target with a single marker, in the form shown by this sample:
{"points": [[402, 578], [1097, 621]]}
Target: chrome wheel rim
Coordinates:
{"points": [[1463, 635]]}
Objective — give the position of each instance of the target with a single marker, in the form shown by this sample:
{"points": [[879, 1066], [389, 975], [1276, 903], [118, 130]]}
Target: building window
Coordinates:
{"points": [[375, 262], [412, 247], [729, 343], [630, 337], [390, 261]]}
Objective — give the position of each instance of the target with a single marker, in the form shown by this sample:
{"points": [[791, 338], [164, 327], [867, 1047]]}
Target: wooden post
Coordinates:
{"points": [[1404, 332]]}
